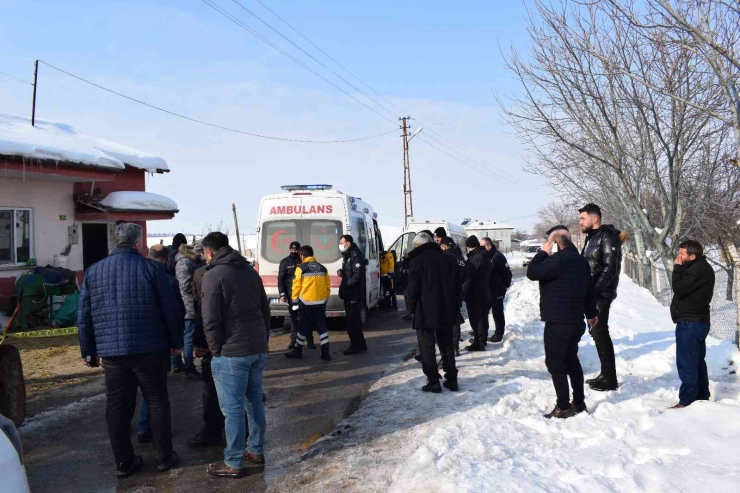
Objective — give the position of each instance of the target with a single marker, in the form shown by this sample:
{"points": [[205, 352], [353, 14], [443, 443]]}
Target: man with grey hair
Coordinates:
{"points": [[432, 297], [566, 294], [129, 315]]}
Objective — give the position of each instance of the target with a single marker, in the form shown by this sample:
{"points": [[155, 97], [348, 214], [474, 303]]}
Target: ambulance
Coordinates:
{"points": [[405, 242], [316, 215]]}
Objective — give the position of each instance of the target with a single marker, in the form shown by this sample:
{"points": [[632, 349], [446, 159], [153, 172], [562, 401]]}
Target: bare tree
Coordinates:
{"points": [[519, 235]]}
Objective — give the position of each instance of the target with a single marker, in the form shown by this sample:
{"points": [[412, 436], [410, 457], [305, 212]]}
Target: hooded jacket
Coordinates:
{"points": [[311, 283], [236, 313], [693, 288], [479, 263], [352, 287], [603, 250], [186, 263], [432, 294]]}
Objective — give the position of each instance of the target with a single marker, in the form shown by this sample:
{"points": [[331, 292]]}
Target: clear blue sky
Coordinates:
{"points": [[436, 60]]}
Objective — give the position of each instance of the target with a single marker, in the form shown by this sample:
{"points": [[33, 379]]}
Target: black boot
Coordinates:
{"points": [[296, 353], [451, 385], [352, 350], [606, 383], [434, 388], [593, 380], [475, 347], [325, 352], [496, 338], [580, 407], [126, 469]]}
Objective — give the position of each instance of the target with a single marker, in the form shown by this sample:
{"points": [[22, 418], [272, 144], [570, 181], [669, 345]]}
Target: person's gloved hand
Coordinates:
{"points": [[340, 272], [295, 306]]}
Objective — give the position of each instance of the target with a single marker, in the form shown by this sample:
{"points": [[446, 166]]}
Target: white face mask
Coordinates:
{"points": [[342, 247]]}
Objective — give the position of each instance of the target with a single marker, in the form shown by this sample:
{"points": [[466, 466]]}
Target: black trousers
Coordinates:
{"points": [[602, 339], [123, 376], [443, 336], [295, 318], [478, 315], [213, 418], [561, 359], [354, 324], [497, 309]]}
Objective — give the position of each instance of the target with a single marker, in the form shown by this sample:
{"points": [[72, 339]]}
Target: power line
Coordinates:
{"points": [[16, 78], [221, 127]]}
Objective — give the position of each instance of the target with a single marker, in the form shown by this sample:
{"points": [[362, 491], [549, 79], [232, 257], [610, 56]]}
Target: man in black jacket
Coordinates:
{"points": [[603, 250], [352, 292], [478, 297], [462, 284], [500, 283], [286, 274], [236, 320], [693, 288], [566, 294], [432, 297]]}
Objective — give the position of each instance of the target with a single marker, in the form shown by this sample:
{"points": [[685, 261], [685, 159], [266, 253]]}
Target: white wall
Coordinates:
{"points": [[49, 200]]}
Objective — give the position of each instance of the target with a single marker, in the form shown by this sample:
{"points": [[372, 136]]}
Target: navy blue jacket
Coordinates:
{"points": [[129, 305]]}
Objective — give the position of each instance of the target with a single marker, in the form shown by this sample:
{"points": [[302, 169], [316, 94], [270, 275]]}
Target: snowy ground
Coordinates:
{"points": [[491, 436], [515, 259]]}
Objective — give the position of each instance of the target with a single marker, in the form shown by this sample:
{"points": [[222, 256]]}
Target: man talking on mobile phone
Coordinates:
{"points": [[566, 295]]}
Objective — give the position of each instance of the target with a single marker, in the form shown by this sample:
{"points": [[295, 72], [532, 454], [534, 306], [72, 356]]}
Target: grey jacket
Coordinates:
{"points": [[186, 263], [236, 313]]}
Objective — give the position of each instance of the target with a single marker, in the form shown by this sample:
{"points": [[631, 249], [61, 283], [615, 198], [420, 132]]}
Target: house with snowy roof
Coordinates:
{"points": [[63, 192], [500, 233]]}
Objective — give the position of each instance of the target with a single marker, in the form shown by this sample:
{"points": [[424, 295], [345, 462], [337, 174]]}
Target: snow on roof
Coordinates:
{"points": [[487, 225], [138, 201], [63, 143]]}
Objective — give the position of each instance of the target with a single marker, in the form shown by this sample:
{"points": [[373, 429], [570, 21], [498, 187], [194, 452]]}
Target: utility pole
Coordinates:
{"points": [[408, 203], [236, 224], [33, 105]]}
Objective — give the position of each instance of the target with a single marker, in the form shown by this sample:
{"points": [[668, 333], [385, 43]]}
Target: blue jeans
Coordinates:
{"points": [[239, 386], [691, 349], [187, 350]]}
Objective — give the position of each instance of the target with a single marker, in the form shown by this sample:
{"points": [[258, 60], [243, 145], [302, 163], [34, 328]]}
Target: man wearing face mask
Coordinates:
{"points": [[286, 274], [352, 292]]}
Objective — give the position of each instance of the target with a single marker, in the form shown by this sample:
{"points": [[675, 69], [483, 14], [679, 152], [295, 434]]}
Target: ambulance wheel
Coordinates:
{"points": [[12, 385], [277, 322]]}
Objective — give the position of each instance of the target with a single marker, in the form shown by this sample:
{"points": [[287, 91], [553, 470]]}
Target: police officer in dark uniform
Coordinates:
{"points": [[286, 274], [352, 292]]}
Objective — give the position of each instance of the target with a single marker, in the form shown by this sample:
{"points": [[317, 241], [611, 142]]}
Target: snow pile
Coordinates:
{"points": [[138, 201], [515, 259], [491, 435], [63, 143]]}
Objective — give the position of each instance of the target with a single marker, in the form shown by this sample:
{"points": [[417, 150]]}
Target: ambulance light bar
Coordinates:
{"points": [[290, 188]]}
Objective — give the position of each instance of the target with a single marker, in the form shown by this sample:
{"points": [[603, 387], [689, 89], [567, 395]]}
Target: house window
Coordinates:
{"points": [[15, 235]]}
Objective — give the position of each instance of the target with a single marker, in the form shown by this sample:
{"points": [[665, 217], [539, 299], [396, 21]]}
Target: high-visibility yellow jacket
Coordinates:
{"points": [[311, 284], [387, 264]]}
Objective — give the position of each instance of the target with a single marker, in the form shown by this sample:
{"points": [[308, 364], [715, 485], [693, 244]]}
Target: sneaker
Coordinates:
{"points": [[580, 407], [595, 379], [296, 353], [192, 374], [145, 437], [451, 385], [496, 338], [434, 388], [221, 470], [352, 350], [561, 413], [475, 347], [169, 464], [126, 469], [204, 439]]}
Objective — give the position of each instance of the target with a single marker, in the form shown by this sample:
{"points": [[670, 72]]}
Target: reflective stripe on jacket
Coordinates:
{"points": [[311, 284]]}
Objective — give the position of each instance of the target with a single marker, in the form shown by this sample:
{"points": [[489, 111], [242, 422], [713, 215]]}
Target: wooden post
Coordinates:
{"points": [[236, 224]]}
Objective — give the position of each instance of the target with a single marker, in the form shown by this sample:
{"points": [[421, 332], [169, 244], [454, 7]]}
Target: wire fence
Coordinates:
{"points": [[654, 277]]}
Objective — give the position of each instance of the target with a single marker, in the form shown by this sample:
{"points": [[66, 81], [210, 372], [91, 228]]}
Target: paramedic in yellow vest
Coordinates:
{"points": [[311, 289], [387, 269]]}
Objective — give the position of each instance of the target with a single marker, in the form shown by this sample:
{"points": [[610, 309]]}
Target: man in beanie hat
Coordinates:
{"points": [[439, 235], [478, 297], [463, 284], [286, 274]]}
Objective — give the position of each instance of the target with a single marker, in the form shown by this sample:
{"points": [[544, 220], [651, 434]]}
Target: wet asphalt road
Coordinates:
{"points": [[67, 449]]}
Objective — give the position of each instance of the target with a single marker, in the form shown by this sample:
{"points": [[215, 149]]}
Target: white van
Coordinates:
{"points": [[529, 249], [318, 216], [405, 242]]}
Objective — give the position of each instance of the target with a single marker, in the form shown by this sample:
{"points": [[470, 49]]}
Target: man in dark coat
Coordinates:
{"points": [[236, 320], [478, 297], [352, 292], [500, 283], [286, 274], [603, 250], [693, 288], [433, 299], [566, 295], [130, 316], [462, 285]]}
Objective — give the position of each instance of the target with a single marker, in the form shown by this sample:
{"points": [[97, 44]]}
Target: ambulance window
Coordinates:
{"points": [[276, 238], [359, 233], [373, 244], [323, 236]]}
